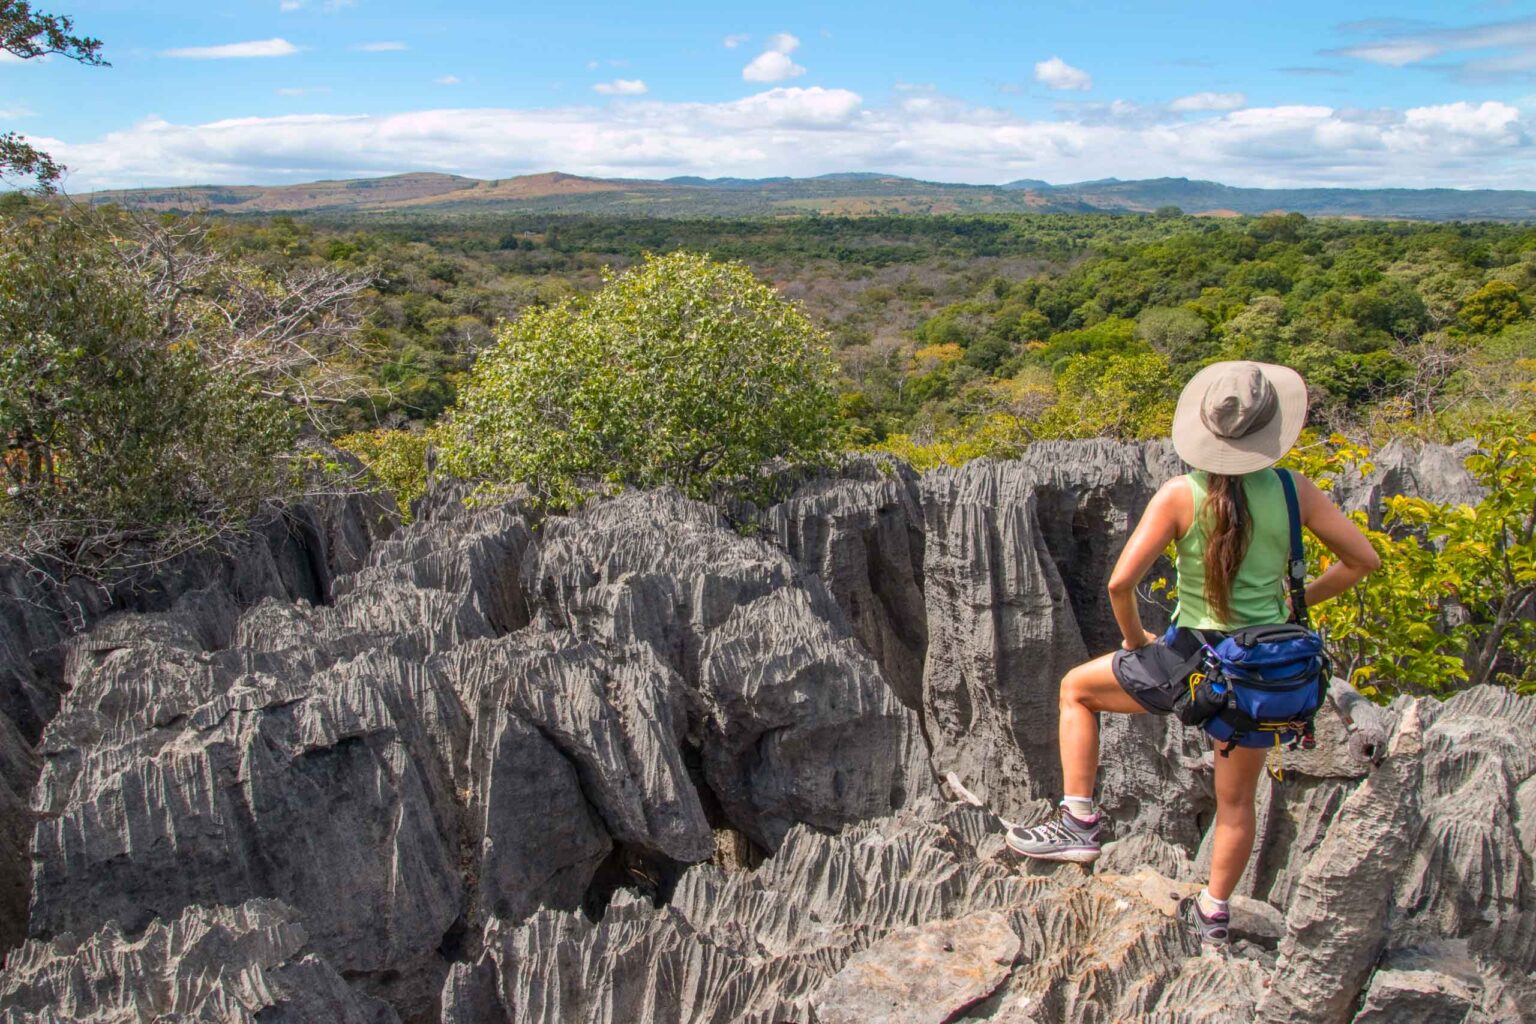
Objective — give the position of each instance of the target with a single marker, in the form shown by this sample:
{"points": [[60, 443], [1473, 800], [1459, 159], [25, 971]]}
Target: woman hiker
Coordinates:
{"points": [[1230, 523]]}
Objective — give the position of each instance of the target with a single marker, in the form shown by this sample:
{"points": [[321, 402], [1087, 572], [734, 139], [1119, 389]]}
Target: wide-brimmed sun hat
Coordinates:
{"points": [[1239, 417]]}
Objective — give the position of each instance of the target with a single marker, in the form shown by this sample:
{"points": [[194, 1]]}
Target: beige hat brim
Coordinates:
{"points": [[1233, 456]]}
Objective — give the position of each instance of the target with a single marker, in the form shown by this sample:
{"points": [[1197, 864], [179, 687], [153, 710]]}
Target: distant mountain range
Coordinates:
{"points": [[849, 194]]}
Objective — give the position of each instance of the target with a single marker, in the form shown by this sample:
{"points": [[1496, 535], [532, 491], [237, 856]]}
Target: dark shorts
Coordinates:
{"points": [[1156, 674]]}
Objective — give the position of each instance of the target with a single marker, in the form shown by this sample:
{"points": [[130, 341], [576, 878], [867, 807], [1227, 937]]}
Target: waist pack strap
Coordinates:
{"points": [[1296, 570], [1252, 636]]}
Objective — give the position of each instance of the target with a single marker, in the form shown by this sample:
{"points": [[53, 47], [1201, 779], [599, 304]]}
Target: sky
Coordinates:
{"points": [[1303, 93]]}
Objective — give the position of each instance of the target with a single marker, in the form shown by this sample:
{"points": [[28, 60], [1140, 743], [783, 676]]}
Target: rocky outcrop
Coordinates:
{"points": [[922, 975], [824, 931], [294, 553], [235, 965], [861, 532], [481, 723], [1017, 555], [637, 763]]}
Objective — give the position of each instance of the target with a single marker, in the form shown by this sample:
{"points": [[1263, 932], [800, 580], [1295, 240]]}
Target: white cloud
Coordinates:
{"points": [[294, 90], [446, 80], [1058, 74], [1489, 121], [328, 6], [621, 87], [1399, 44], [773, 64], [12, 113], [380, 47], [1397, 54], [803, 131], [734, 40], [256, 48], [1209, 101]]}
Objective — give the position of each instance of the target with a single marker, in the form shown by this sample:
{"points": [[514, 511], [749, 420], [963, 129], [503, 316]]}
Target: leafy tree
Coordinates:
{"points": [[28, 34], [1452, 603], [397, 457], [1492, 307], [116, 447], [1123, 395], [1176, 332], [681, 371]]}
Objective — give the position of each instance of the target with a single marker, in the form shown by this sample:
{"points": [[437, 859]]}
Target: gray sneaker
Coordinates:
{"points": [[1214, 930], [1059, 837]]}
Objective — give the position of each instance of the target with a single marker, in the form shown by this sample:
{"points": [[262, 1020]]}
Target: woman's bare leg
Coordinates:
{"points": [[1087, 689], [1237, 779]]}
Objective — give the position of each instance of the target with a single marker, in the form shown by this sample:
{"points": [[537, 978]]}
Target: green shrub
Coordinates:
{"points": [[1452, 604], [397, 457], [111, 438], [681, 371]]}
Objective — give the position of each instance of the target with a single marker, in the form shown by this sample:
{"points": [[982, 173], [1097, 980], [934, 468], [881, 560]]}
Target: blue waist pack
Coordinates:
{"points": [[1272, 680]]}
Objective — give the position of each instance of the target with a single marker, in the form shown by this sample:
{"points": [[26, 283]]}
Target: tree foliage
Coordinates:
{"points": [[27, 34], [680, 371], [398, 458], [1454, 602], [114, 442]]}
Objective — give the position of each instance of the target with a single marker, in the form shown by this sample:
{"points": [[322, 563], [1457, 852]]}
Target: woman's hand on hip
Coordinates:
{"points": [[1148, 638]]}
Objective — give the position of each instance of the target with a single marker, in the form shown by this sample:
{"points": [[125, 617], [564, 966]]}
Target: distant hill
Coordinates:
{"points": [[849, 194]]}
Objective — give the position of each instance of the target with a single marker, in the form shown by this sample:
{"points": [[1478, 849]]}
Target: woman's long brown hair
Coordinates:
{"points": [[1227, 529]]}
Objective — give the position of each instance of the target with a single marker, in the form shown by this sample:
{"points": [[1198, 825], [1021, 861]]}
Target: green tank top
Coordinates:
{"points": [[1258, 592]]}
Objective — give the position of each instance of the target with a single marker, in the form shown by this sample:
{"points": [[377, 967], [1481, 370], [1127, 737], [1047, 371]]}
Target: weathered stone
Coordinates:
{"points": [[921, 975], [1336, 925], [1425, 997], [490, 769], [1211, 989], [861, 532], [231, 965]]}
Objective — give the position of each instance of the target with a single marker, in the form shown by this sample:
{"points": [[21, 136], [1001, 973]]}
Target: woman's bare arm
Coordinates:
{"points": [[1168, 517], [1354, 558]]}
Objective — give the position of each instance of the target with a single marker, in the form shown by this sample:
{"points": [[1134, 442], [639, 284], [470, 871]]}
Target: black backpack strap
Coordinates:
{"points": [[1296, 569]]}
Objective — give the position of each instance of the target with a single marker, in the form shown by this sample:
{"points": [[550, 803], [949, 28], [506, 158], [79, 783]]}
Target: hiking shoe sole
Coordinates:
{"points": [[1070, 854]]}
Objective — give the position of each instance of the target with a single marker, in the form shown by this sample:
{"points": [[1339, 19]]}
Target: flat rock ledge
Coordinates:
{"points": [[922, 975]]}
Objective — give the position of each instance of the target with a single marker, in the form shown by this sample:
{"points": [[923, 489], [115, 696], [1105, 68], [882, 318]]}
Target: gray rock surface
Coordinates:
{"points": [[862, 533], [631, 764], [293, 554], [921, 975], [1016, 558], [230, 965], [793, 940], [1336, 925], [478, 725]]}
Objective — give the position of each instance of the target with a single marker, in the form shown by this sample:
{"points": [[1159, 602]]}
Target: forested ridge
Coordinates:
{"points": [[938, 319]]}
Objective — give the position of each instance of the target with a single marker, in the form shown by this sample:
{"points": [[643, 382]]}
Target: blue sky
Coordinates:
{"points": [[1304, 93]]}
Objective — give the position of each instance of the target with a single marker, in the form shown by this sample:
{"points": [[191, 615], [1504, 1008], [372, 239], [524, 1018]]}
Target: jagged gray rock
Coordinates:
{"points": [[770, 945], [490, 771], [1017, 555], [230, 965], [921, 975], [293, 553], [1430, 471], [442, 745], [1336, 926], [862, 533]]}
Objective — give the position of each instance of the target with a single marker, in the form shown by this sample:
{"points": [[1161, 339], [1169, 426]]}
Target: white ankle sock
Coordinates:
{"points": [[1210, 904], [1078, 806]]}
